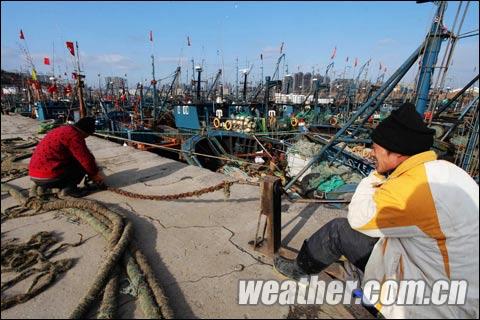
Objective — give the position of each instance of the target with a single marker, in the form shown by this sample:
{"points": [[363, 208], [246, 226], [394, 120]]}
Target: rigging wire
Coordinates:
{"points": [[442, 68]]}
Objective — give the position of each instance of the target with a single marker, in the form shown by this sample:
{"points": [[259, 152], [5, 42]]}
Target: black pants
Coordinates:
{"points": [[71, 178], [330, 242]]}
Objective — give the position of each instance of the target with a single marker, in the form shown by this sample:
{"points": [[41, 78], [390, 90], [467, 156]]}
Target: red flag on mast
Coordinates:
{"points": [[21, 35], [334, 52], [70, 47], [151, 36], [46, 61]]}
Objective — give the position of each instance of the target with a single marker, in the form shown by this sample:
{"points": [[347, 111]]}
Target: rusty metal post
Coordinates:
{"points": [[271, 207]]}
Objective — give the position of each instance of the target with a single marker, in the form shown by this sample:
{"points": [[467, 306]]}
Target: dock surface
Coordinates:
{"points": [[198, 247]]}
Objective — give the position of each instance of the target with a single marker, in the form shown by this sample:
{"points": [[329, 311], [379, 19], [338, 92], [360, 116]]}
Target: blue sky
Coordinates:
{"points": [[113, 36]]}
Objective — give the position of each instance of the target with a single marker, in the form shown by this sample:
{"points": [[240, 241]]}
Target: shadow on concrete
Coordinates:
{"points": [[304, 216], [145, 235], [124, 178]]}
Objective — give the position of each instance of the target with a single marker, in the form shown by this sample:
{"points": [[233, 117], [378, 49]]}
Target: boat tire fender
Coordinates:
{"points": [[228, 125], [333, 121], [216, 122], [294, 122]]}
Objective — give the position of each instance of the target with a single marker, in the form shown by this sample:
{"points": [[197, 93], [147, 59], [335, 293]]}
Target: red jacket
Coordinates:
{"points": [[59, 149]]}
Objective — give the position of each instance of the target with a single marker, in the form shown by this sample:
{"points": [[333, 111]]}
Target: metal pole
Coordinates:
{"points": [[154, 84], [141, 103], [99, 87], [261, 79], [236, 81], [434, 43], [271, 207], [456, 96], [198, 83], [266, 98], [80, 84], [53, 59], [462, 115], [245, 87]]}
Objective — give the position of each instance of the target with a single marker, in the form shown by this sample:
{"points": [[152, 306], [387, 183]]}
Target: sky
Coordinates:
{"points": [[113, 37]]}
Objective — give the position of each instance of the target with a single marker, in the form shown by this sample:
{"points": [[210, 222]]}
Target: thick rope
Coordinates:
{"points": [[152, 308], [106, 223], [109, 303]]}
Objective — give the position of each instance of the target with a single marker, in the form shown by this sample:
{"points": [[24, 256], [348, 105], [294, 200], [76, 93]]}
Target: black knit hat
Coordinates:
{"points": [[86, 124], [404, 132]]}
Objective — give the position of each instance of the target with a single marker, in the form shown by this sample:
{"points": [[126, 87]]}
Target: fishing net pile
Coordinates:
{"points": [[322, 176], [33, 257]]}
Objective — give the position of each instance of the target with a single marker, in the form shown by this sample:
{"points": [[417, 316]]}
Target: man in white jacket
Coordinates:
{"points": [[413, 218]]}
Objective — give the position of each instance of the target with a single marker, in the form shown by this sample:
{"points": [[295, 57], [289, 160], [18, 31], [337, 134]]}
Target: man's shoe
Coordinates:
{"points": [[289, 268], [74, 192], [92, 186]]}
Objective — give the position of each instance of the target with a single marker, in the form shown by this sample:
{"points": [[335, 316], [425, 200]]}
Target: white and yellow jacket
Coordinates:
{"points": [[426, 214]]}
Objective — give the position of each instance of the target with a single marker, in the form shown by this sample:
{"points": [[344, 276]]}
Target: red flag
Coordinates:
{"points": [[281, 48], [356, 62], [52, 89], [68, 89], [151, 36], [46, 61], [334, 53], [70, 47], [21, 35], [188, 41]]}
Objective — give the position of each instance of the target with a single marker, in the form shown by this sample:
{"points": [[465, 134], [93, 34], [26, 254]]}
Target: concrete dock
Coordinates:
{"points": [[198, 247]]}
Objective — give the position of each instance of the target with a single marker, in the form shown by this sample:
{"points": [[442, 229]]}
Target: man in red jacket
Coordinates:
{"points": [[62, 159]]}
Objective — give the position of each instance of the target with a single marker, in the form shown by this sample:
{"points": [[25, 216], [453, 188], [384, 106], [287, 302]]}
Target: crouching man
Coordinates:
{"points": [[62, 159]]}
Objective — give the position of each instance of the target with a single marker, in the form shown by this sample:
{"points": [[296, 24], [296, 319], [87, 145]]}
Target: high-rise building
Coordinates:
{"points": [[287, 86], [115, 83], [297, 82], [307, 82]]}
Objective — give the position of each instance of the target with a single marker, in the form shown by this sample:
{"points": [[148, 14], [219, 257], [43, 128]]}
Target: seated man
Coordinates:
{"points": [[414, 218], [62, 159]]}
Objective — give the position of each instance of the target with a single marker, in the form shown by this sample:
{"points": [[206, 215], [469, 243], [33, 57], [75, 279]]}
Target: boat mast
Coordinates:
{"points": [[236, 82], [99, 88], [53, 59], [80, 85], [154, 84]]}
